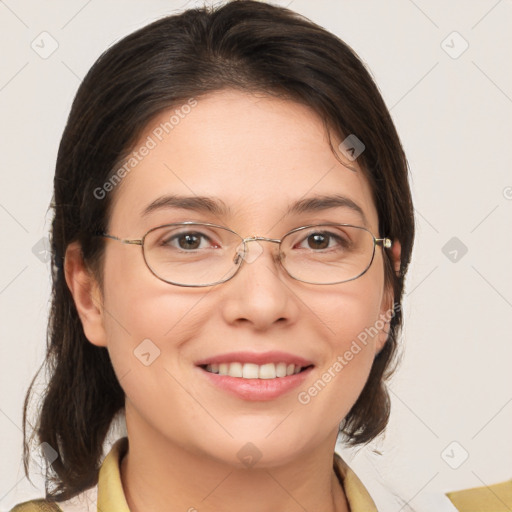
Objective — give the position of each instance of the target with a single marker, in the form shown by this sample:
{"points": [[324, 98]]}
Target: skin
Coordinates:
{"points": [[184, 433]]}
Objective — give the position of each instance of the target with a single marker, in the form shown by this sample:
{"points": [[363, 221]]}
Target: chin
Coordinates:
{"points": [[257, 450]]}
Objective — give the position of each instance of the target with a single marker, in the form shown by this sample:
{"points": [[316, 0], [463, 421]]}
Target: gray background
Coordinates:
{"points": [[452, 395]]}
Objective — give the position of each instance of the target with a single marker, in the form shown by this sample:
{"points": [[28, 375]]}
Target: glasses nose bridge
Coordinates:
{"points": [[250, 259], [261, 239]]}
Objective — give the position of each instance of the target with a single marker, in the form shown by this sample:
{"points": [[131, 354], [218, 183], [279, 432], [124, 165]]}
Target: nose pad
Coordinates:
{"points": [[249, 253], [239, 255], [255, 251]]}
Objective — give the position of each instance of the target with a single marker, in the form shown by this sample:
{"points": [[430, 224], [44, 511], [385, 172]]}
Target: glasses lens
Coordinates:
{"points": [[327, 254], [191, 254]]}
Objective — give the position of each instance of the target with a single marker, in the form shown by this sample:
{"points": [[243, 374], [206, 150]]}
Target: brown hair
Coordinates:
{"points": [[245, 45]]}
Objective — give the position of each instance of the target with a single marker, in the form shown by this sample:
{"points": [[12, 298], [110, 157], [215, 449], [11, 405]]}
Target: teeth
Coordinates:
{"points": [[235, 370], [281, 369], [254, 371], [250, 371], [267, 371]]}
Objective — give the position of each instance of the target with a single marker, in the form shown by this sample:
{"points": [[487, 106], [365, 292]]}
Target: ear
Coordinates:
{"points": [[386, 310], [86, 294]]}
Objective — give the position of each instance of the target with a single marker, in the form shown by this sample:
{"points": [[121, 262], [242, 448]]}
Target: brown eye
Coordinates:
{"points": [[318, 241], [323, 241], [189, 241]]}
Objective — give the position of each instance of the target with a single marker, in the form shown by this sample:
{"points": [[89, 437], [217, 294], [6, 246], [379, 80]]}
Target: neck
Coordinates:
{"points": [[158, 474]]}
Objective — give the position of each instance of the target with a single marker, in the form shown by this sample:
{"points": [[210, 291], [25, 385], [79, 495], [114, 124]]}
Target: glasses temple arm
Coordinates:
{"points": [[112, 237]]}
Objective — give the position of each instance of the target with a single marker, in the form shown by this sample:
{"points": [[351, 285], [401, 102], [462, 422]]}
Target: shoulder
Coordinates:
{"points": [[84, 502], [492, 498], [40, 505]]}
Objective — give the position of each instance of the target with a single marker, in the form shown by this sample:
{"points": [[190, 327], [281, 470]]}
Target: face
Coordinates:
{"points": [[256, 156]]}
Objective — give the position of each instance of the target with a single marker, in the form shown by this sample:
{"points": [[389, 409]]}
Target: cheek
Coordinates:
{"points": [[353, 341], [352, 311], [148, 324], [352, 322], [145, 318]]}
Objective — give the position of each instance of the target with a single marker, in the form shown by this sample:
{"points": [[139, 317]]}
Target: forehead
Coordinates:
{"points": [[254, 155]]}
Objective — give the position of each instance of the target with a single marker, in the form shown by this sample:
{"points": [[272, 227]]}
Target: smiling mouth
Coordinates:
{"points": [[255, 371]]}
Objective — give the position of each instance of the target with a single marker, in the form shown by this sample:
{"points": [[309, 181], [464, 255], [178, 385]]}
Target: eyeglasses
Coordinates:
{"points": [[203, 254]]}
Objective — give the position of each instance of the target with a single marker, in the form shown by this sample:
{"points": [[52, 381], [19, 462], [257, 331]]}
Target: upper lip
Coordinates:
{"points": [[255, 358]]}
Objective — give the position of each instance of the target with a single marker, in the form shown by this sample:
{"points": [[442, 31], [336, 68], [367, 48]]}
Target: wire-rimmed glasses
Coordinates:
{"points": [[198, 254]]}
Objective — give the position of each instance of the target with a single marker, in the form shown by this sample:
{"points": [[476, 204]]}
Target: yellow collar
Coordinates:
{"points": [[110, 488]]}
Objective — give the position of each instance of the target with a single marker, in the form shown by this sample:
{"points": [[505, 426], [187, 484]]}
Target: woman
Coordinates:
{"points": [[232, 229]]}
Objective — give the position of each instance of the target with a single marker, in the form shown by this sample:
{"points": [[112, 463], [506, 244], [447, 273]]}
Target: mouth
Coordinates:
{"points": [[251, 376], [253, 371]]}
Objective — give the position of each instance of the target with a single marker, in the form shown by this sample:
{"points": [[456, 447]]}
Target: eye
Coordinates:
{"points": [[320, 240], [190, 240]]}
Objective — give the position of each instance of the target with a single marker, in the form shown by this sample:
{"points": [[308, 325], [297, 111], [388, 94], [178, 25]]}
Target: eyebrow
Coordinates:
{"points": [[219, 208], [326, 202], [194, 203]]}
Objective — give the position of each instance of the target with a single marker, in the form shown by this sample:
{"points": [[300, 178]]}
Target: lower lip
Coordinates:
{"points": [[257, 389]]}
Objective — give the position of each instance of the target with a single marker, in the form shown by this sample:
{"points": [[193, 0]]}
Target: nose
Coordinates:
{"points": [[260, 293]]}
